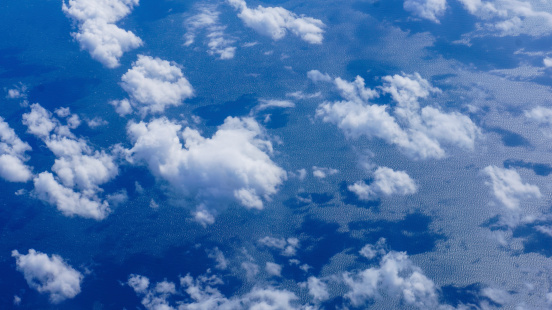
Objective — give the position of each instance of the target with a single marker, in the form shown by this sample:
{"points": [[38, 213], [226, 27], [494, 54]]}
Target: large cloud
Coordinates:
{"points": [[275, 22], [386, 182], [233, 164], [510, 17], [419, 132], [427, 9], [79, 169], [153, 85], [98, 33], [218, 43], [508, 188], [12, 155], [49, 274]]}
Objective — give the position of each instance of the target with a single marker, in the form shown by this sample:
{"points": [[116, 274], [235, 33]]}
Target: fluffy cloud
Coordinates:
{"points": [[540, 115], [317, 289], [386, 182], [508, 188], [427, 9], [418, 132], [217, 42], [153, 85], [79, 169], [49, 274], [202, 293], [98, 33], [273, 269], [12, 155], [323, 172], [275, 22], [288, 246], [509, 18], [233, 164], [396, 275]]}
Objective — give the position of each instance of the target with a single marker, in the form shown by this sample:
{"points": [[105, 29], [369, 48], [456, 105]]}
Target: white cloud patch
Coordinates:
{"points": [[540, 115], [317, 76], [509, 17], [275, 22], [202, 293], [79, 170], [419, 132], [97, 32], [153, 85], [218, 42], [287, 246], [273, 269], [323, 172], [317, 289], [508, 188], [396, 275], [386, 182], [271, 103], [49, 275], [12, 155], [233, 164], [427, 9]]}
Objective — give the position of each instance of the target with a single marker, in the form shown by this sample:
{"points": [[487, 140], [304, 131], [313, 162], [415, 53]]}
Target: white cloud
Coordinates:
{"points": [[288, 246], [271, 103], [547, 61], [218, 256], [386, 182], [251, 270], [508, 188], [370, 251], [497, 295], [275, 22], [12, 155], [317, 76], [540, 115], [203, 294], [427, 9], [49, 275], [317, 289], [395, 276], [79, 169], [233, 164], [153, 85], [323, 172], [217, 42], [273, 269], [98, 33], [419, 133], [509, 18]]}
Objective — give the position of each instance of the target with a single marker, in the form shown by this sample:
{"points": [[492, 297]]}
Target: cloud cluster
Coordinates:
{"points": [[509, 17], [49, 275], [386, 182], [79, 170], [234, 164], [419, 132], [12, 155], [153, 85], [427, 9], [98, 33], [217, 42], [508, 188], [202, 293], [275, 22], [287, 246]]}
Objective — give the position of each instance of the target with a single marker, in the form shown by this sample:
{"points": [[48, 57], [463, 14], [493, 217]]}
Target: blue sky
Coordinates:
{"points": [[275, 154]]}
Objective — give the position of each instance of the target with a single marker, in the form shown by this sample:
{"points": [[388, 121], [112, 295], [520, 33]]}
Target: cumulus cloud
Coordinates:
{"points": [[396, 275], [202, 293], [317, 289], [97, 32], [427, 9], [273, 269], [508, 188], [323, 172], [419, 132], [540, 115], [79, 170], [234, 164], [509, 18], [12, 155], [317, 76], [287, 246], [217, 42], [275, 22], [153, 85], [386, 182], [49, 275]]}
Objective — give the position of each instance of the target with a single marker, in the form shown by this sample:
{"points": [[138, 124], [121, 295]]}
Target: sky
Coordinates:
{"points": [[240, 154]]}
